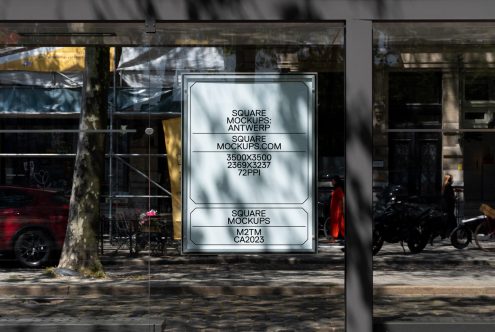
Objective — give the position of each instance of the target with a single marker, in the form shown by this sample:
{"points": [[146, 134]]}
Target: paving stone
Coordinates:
{"points": [[260, 293]]}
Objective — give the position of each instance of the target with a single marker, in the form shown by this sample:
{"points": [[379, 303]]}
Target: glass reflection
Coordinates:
{"points": [[432, 161], [42, 71]]}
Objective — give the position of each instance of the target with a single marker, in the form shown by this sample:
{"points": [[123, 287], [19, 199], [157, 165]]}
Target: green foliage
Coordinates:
{"points": [[50, 272], [94, 273]]}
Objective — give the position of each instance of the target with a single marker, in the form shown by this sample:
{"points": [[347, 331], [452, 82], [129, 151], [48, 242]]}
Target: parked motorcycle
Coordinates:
{"points": [[398, 220], [434, 223]]}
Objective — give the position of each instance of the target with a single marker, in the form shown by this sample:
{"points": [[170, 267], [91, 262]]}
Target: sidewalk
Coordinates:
{"points": [[260, 292], [440, 270], [193, 293]]}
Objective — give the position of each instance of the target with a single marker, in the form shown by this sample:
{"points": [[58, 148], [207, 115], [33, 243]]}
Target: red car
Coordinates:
{"points": [[32, 223]]}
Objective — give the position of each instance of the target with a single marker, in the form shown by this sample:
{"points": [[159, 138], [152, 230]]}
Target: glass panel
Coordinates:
{"points": [[272, 48], [432, 169], [69, 208], [42, 101]]}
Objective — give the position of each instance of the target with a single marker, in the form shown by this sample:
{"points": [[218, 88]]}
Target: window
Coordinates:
{"points": [[44, 97], [433, 137], [11, 198]]}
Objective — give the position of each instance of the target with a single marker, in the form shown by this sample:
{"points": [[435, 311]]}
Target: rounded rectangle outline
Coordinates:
{"points": [[308, 77], [247, 244], [189, 80]]}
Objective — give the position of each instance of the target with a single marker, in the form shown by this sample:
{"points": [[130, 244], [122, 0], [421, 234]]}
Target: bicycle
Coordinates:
{"points": [[323, 221], [155, 234], [484, 235], [463, 234], [325, 228]]}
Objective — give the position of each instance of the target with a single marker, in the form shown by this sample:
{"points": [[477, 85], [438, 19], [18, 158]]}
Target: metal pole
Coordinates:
{"points": [[110, 149], [358, 184]]}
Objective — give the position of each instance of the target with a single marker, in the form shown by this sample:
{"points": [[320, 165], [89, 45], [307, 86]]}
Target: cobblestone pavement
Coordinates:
{"points": [[193, 313], [250, 313], [261, 293]]}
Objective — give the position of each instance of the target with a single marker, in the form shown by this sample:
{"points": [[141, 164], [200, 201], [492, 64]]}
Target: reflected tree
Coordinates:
{"points": [[80, 250]]}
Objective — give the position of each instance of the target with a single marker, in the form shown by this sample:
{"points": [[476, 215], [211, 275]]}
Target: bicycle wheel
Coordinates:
{"points": [[460, 237], [326, 228], [484, 235]]}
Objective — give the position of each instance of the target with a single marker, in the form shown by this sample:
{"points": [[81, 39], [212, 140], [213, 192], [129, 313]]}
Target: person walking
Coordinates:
{"points": [[448, 201], [337, 210]]}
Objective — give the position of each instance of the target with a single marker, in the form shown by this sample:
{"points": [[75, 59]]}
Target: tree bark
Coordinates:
{"points": [[80, 250]]}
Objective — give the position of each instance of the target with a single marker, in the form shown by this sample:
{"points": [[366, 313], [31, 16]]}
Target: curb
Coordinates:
{"points": [[154, 289], [94, 291], [222, 259], [432, 291], [291, 260], [438, 262]]}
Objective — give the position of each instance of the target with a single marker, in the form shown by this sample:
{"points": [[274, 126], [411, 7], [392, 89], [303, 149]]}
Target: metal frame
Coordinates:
{"points": [[358, 184], [189, 205], [358, 16], [151, 11]]}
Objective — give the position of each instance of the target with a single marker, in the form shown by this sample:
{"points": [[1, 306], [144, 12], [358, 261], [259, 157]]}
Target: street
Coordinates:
{"points": [[259, 292]]}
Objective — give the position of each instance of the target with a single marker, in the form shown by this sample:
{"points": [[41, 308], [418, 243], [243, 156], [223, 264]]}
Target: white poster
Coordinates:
{"points": [[249, 163]]}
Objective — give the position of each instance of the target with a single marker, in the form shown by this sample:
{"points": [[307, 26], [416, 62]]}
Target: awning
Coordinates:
{"points": [[28, 100]]}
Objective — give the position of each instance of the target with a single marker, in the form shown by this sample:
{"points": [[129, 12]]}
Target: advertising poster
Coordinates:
{"points": [[249, 163]]}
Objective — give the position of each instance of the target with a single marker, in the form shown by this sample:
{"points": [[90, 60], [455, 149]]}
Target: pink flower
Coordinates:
{"points": [[151, 213]]}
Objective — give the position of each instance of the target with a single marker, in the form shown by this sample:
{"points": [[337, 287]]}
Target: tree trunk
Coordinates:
{"points": [[80, 250]]}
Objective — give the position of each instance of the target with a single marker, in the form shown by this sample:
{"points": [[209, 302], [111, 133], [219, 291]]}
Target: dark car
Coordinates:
{"points": [[32, 223]]}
